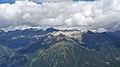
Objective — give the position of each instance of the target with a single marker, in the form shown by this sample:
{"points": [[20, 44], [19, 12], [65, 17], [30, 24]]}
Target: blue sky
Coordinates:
{"points": [[7, 1]]}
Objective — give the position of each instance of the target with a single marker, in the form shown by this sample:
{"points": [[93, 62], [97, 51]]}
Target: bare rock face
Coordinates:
{"points": [[71, 34]]}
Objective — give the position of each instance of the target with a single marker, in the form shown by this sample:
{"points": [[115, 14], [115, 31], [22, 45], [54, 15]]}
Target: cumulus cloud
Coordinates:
{"points": [[100, 14]]}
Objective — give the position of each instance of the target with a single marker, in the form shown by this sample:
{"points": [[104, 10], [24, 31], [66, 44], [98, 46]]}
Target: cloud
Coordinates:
{"points": [[100, 14]]}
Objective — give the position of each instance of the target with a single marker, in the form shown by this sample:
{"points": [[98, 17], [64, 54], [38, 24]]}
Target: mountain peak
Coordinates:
{"points": [[71, 33], [51, 29]]}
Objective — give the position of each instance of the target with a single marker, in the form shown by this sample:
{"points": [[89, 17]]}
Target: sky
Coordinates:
{"points": [[98, 15]]}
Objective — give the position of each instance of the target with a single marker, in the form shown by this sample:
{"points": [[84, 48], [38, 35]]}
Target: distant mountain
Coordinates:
{"points": [[96, 40], [22, 38], [116, 33]]}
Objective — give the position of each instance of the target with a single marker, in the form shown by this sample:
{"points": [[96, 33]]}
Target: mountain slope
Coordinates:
{"points": [[65, 52], [5, 52], [62, 51], [94, 40]]}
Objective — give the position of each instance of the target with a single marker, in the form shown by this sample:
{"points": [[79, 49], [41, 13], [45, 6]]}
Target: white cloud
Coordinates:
{"points": [[101, 14]]}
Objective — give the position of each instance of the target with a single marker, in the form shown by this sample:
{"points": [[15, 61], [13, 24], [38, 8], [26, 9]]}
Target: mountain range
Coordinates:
{"points": [[59, 48]]}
